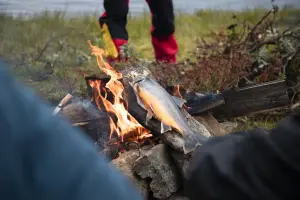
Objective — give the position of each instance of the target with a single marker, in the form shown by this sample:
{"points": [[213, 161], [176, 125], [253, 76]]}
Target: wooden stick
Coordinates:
{"points": [[80, 124], [62, 103]]}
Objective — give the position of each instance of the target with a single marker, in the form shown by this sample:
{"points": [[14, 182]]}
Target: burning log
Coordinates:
{"points": [[153, 125], [93, 122]]}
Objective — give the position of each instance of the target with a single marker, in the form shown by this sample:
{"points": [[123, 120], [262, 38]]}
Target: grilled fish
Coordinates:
{"points": [[161, 105]]}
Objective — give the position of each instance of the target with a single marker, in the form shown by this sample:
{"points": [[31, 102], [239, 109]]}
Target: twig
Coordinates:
{"points": [[294, 89], [40, 54], [295, 105], [259, 23], [290, 58], [80, 124]]}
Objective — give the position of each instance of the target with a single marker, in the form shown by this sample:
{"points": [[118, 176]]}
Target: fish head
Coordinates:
{"points": [[136, 74]]}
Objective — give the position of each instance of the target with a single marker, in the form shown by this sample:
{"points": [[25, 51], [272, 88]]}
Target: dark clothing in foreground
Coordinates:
{"points": [[43, 158], [249, 165]]}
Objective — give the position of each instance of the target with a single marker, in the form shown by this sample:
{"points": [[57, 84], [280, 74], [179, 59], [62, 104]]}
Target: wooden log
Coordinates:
{"points": [[93, 122], [251, 99], [211, 123], [197, 104], [64, 101], [172, 137], [233, 103]]}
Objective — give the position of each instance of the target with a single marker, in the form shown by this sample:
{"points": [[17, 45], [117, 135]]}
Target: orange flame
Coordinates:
{"points": [[125, 122]]}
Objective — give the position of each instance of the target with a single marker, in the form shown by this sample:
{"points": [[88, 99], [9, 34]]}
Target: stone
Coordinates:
{"points": [[174, 140], [157, 165], [182, 161], [125, 163], [212, 125]]}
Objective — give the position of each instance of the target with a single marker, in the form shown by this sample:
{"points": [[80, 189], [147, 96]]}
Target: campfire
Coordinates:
{"points": [[156, 163], [122, 123], [113, 117]]}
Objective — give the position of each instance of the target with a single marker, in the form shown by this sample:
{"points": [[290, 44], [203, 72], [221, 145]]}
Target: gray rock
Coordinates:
{"points": [[157, 165], [182, 161], [174, 140], [125, 163]]}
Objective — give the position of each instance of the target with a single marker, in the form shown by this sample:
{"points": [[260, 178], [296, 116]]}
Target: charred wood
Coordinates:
{"points": [[251, 99]]}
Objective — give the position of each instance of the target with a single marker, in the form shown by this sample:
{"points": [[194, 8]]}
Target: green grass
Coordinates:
{"points": [[248, 123], [50, 52]]}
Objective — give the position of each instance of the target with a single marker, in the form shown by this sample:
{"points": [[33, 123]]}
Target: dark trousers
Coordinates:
{"points": [[162, 30]]}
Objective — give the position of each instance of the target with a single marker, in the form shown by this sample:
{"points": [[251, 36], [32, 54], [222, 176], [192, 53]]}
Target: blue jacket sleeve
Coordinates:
{"points": [[42, 157]]}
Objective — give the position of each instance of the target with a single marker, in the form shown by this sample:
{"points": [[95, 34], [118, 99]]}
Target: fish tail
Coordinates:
{"points": [[192, 140]]}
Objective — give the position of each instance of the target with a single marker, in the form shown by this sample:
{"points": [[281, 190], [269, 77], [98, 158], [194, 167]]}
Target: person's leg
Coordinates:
{"points": [[162, 31], [115, 17]]}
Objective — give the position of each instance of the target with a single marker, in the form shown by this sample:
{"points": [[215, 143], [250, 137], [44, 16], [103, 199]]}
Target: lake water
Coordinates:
{"points": [[136, 6]]}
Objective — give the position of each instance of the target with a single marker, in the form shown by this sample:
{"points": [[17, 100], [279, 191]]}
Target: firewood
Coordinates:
{"points": [[64, 101]]}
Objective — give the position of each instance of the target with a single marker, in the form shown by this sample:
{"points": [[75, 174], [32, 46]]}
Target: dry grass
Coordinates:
{"points": [[50, 52]]}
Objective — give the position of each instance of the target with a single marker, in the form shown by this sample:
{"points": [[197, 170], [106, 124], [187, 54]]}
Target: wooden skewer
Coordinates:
{"points": [[62, 103]]}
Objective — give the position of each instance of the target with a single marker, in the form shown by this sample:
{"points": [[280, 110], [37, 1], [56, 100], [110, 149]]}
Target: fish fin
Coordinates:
{"points": [[149, 116], [178, 101], [149, 108], [164, 128], [192, 141]]}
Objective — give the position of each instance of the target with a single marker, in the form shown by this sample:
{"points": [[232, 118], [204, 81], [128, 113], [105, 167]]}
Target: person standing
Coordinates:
{"points": [[114, 20]]}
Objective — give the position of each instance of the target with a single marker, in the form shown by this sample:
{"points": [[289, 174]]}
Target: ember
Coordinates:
{"points": [[124, 124]]}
